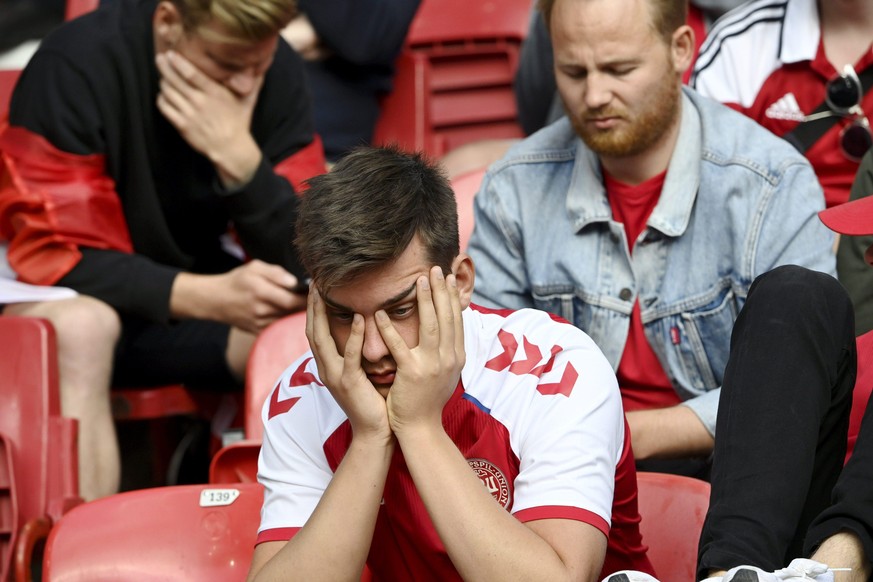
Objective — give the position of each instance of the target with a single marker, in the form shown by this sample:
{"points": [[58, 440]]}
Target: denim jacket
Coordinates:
{"points": [[736, 202]]}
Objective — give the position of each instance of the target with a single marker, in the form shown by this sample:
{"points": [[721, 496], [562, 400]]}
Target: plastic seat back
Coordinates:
{"points": [[453, 79], [183, 532], [236, 463], [461, 21], [8, 507], [276, 348], [863, 388], [40, 464], [673, 508], [8, 78], [465, 187], [76, 8]]}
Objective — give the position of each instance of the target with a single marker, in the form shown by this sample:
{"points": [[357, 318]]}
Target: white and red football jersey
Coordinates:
{"points": [[766, 59], [537, 414]]}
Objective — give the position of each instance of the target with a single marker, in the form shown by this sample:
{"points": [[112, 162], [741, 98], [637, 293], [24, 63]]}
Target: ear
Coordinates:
{"points": [[465, 275], [682, 48], [167, 25]]}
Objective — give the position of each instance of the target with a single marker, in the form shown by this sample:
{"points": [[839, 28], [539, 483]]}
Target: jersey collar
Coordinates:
{"points": [[801, 31]]}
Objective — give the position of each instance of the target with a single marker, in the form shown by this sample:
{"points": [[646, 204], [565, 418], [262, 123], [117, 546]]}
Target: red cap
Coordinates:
{"points": [[855, 217]]}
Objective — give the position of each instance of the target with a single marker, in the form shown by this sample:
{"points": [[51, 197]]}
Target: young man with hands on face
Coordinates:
{"points": [[422, 434], [138, 135]]}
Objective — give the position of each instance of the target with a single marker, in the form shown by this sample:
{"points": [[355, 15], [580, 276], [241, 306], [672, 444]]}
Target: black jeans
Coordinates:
{"points": [[782, 420]]}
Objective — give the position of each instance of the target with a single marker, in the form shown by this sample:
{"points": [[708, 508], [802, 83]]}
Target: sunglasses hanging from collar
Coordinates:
{"points": [[843, 96]]}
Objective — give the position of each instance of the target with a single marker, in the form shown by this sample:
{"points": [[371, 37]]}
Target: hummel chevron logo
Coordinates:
{"points": [[565, 386], [530, 364], [277, 407], [300, 377]]}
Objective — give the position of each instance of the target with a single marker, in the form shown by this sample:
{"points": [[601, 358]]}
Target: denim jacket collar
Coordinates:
{"points": [[586, 199]]}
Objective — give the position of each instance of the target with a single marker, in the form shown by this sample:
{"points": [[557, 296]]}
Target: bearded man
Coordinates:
{"points": [[643, 217]]}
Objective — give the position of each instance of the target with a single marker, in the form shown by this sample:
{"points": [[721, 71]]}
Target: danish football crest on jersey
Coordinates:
{"points": [[493, 479]]}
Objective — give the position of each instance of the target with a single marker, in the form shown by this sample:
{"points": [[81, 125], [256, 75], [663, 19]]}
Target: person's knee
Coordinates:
{"points": [[85, 323], [803, 294], [800, 284]]}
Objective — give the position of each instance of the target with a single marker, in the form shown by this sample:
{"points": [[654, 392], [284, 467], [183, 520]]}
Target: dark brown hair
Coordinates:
{"points": [[367, 209]]}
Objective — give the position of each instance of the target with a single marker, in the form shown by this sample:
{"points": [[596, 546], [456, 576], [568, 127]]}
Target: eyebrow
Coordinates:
{"points": [[619, 62], [385, 304], [224, 63], [609, 62]]}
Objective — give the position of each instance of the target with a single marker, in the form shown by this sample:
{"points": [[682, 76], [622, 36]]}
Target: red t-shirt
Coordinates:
{"points": [[641, 378]]}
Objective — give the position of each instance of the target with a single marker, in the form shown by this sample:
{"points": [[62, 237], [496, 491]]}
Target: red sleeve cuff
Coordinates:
{"points": [[51, 203], [279, 534], [304, 164], [563, 512]]}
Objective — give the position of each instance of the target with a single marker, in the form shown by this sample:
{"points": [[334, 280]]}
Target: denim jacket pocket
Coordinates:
{"points": [[603, 324], [701, 343], [561, 300]]}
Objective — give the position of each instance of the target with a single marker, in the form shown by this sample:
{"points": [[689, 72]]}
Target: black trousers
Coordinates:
{"points": [[192, 352], [782, 421]]}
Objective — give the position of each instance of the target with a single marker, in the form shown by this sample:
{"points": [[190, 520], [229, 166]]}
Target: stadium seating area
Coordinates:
{"points": [[468, 70], [453, 83], [453, 86]]}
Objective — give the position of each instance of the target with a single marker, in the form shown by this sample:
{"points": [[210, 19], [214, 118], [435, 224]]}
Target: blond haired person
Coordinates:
{"points": [[138, 134]]}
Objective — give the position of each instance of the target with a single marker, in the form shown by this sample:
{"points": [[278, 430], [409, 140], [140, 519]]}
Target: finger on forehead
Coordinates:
{"points": [[443, 307], [320, 328], [310, 318], [354, 345], [310, 332], [428, 323], [455, 297], [318, 320], [321, 342]]}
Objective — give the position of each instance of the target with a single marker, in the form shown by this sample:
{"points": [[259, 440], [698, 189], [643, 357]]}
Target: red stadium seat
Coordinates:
{"points": [[160, 401], [8, 78], [465, 187], [275, 349], [38, 460], [236, 463], [673, 508], [185, 532], [460, 21], [453, 82], [76, 8], [863, 388]]}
